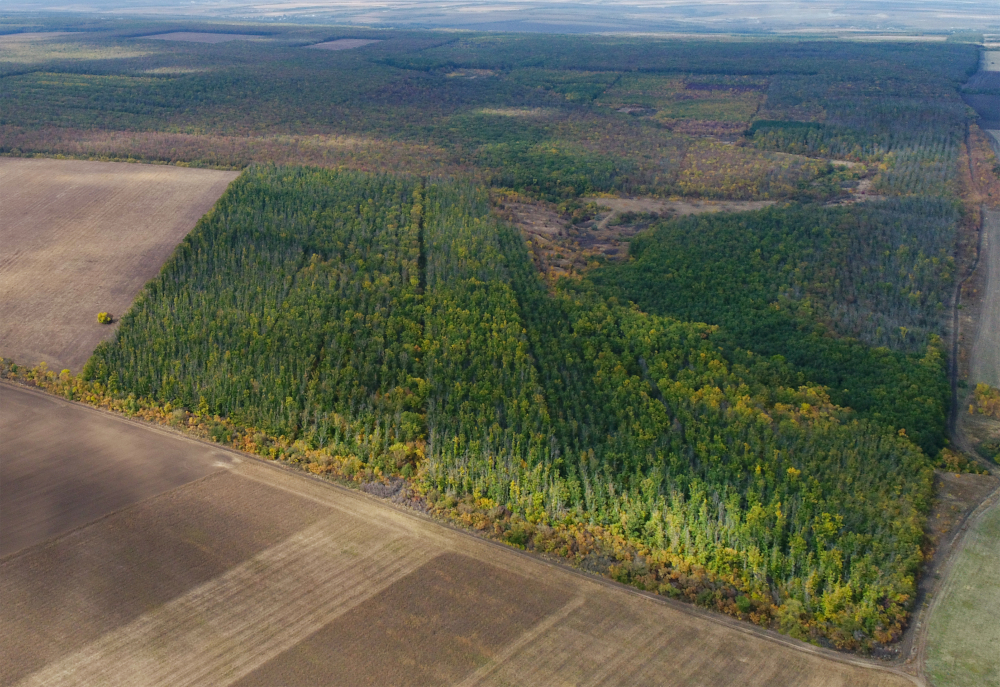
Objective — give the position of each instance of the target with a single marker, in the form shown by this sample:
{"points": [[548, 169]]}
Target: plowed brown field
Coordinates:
{"points": [[258, 576], [78, 238]]}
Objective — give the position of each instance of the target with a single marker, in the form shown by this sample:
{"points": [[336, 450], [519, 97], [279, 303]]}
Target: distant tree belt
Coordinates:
{"points": [[404, 329], [555, 117], [852, 298]]}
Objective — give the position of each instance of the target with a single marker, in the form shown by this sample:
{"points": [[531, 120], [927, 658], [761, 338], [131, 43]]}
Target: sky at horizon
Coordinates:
{"points": [[571, 16]]}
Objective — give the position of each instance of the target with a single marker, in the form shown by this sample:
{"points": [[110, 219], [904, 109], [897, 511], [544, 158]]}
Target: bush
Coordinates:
{"points": [[105, 318]]}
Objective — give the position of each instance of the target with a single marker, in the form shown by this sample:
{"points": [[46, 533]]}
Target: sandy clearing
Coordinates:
{"points": [[267, 575], [344, 43], [679, 207], [984, 366], [559, 249], [991, 61], [193, 37], [84, 237], [65, 465]]}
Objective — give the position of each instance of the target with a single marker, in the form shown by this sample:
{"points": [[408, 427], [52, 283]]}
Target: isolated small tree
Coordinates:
{"points": [[105, 318]]}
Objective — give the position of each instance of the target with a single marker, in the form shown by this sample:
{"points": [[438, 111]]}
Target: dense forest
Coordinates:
{"points": [[552, 116], [397, 327], [851, 298]]}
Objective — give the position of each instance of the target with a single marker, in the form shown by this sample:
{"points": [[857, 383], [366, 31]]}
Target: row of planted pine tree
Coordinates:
{"points": [[397, 322]]}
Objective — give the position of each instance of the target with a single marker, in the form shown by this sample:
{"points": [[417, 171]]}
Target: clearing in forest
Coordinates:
{"points": [[344, 43], [560, 247], [81, 238], [256, 576], [985, 364], [193, 37]]}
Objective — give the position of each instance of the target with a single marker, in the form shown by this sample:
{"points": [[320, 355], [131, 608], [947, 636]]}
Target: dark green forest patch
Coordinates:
{"points": [[853, 298]]}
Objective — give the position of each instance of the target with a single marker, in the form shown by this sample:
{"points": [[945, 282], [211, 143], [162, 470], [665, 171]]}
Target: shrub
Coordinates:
{"points": [[105, 318], [986, 401]]}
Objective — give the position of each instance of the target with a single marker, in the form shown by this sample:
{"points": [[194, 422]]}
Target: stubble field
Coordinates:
{"points": [[257, 576], [81, 238]]}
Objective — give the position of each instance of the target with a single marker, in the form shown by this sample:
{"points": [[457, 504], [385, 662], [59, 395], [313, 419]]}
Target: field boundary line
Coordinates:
{"points": [[526, 637], [158, 428], [536, 557], [117, 511]]}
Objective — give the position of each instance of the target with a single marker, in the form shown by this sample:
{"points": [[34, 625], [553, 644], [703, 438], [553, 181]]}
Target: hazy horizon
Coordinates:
{"points": [[572, 16]]}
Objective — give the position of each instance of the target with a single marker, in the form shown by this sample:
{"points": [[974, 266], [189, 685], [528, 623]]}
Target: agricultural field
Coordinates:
{"points": [[344, 44], [249, 575], [80, 238], [91, 464], [963, 635]]}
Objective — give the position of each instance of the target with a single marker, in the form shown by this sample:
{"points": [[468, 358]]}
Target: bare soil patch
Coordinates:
{"points": [[470, 73], [680, 207], [81, 238], [560, 248], [521, 112], [193, 37], [263, 575], [344, 43], [65, 465], [705, 127], [981, 433], [957, 496]]}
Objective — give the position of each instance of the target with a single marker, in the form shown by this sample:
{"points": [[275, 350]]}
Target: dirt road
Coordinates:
{"points": [[985, 362], [258, 576]]}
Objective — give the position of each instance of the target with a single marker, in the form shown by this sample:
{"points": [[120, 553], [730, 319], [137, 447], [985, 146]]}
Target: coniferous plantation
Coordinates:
{"points": [[743, 411], [395, 327], [849, 298]]}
